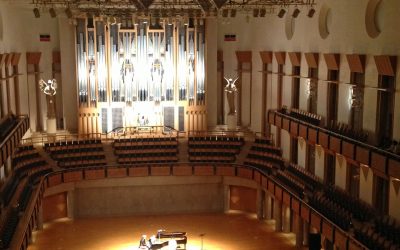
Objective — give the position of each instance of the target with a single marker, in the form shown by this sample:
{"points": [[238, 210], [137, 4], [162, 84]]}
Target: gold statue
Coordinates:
{"points": [[230, 90]]}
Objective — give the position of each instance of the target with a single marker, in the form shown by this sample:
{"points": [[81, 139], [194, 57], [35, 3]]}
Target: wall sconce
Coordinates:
{"points": [[355, 97], [310, 89]]}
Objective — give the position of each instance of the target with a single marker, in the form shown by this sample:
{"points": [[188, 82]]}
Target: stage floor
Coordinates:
{"points": [[231, 231]]}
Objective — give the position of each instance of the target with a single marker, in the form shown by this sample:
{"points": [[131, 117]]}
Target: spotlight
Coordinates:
{"points": [[36, 12], [225, 12], [281, 13], [186, 21], [296, 13], [233, 13], [311, 12], [263, 12], [68, 12], [255, 12], [169, 20], [52, 13], [135, 21]]}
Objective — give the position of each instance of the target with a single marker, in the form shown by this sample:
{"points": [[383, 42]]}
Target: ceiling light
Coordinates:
{"points": [[263, 12], [36, 12], [296, 13], [281, 13], [52, 13], [311, 12], [255, 12]]}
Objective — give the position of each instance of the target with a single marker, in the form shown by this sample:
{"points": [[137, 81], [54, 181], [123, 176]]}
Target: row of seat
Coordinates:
{"points": [[373, 240], [331, 210], [348, 131], [312, 181], [388, 227], [83, 162], [294, 185], [8, 226], [72, 143], [274, 159], [147, 159], [261, 147], [359, 210], [303, 115]]}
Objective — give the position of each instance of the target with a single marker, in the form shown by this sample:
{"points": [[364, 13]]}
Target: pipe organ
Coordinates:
{"points": [[135, 74]]}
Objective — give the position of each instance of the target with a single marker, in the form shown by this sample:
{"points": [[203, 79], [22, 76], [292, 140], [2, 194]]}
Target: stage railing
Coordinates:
{"points": [[29, 220]]}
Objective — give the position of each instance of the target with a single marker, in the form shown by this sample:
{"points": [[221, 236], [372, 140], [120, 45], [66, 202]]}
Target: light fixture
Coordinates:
{"points": [[186, 21], [263, 12], [233, 12], [36, 12], [311, 12], [256, 12], [68, 12], [135, 21], [169, 20], [281, 13], [52, 12], [296, 13]]}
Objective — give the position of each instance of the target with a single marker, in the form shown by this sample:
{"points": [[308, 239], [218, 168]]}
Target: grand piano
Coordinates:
{"points": [[164, 239]]}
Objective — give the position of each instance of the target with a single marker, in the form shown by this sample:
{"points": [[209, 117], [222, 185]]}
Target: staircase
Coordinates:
{"points": [[183, 149], [241, 157], [52, 163], [111, 158]]}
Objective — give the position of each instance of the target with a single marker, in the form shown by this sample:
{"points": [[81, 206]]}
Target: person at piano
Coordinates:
{"points": [[143, 243], [152, 241]]}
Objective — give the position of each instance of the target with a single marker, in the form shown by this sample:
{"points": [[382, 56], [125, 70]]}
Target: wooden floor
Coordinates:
{"points": [[232, 231]]}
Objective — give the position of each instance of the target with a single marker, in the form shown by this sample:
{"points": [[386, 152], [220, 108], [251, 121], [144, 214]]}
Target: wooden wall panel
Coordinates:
{"points": [[243, 199], [356, 62], [303, 131], [138, 171], [348, 149], [386, 65], [225, 171], [335, 144], [332, 61], [116, 172], [271, 118], [160, 170], [286, 197], [182, 170], [378, 162], [327, 230], [315, 221], [54, 180], [363, 155], [312, 135], [280, 57], [54, 207], [245, 173], [305, 213], [92, 174], [295, 206], [33, 57], [285, 123], [323, 139], [294, 128], [243, 56], [15, 59], [72, 176], [278, 193], [203, 170], [394, 168], [266, 57], [312, 59], [340, 240], [295, 58]]}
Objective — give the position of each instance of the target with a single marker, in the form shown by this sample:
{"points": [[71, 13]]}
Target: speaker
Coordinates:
{"points": [[314, 241]]}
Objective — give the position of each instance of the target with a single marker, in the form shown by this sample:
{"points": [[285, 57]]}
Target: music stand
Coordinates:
{"points": [[202, 237]]}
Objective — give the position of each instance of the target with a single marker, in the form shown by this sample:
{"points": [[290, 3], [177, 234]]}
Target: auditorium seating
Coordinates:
{"points": [[214, 148], [311, 181], [146, 149], [7, 227], [297, 187], [26, 159], [302, 115], [76, 153], [264, 155], [346, 130]]}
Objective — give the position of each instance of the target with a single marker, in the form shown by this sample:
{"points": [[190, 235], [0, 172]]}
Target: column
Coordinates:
{"points": [[298, 225], [268, 206], [286, 219], [278, 215], [227, 195], [260, 204]]}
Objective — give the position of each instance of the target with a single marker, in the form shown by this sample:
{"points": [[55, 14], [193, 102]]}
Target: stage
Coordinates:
{"points": [[221, 232]]}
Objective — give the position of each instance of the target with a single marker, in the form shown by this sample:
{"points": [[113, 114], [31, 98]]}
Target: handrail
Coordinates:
{"points": [[365, 145], [22, 232]]}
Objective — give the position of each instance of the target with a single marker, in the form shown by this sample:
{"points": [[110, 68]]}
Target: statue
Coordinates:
{"points": [[230, 90], [50, 90]]}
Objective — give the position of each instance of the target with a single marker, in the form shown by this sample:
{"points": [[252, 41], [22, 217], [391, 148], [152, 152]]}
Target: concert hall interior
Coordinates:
{"points": [[240, 124]]}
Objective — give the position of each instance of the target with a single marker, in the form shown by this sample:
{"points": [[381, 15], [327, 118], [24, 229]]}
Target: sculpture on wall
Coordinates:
{"points": [[230, 90], [50, 90]]}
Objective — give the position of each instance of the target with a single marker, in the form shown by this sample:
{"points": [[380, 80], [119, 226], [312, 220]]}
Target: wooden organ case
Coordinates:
{"points": [[144, 73]]}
